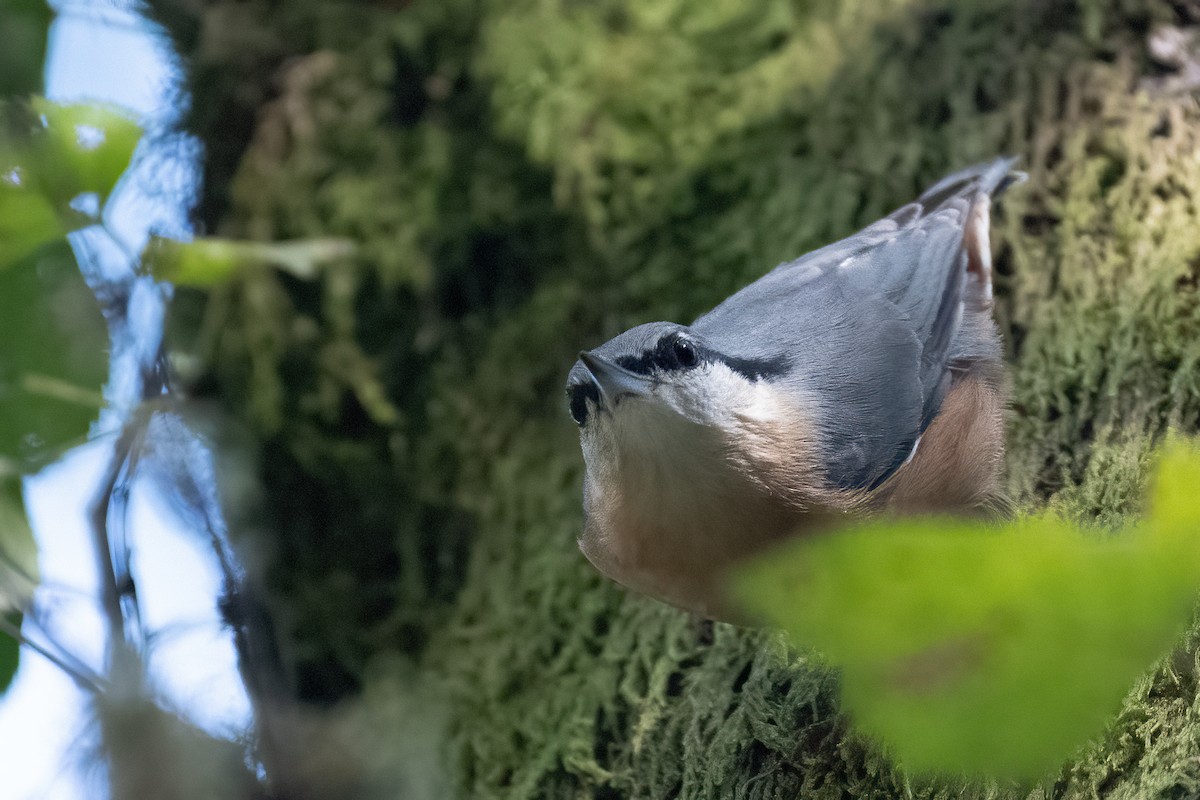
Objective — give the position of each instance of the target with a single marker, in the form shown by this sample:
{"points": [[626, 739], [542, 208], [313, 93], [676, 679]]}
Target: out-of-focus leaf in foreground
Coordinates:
{"points": [[10, 651], [58, 166], [83, 148], [27, 220], [18, 568], [990, 650], [207, 262], [53, 357], [18, 552], [24, 25]]}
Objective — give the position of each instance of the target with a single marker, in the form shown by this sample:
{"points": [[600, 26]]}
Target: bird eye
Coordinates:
{"points": [[579, 394], [685, 353], [578, 409]]}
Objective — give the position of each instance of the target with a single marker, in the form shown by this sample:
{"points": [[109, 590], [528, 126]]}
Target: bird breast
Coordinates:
{"points": [[670, 503]]}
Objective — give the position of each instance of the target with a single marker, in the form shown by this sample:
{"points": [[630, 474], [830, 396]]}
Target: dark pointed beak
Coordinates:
{"points": [[612, 379]]}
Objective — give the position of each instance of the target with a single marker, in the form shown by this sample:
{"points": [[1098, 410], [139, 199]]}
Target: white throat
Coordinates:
{"points": [[672, 500]]}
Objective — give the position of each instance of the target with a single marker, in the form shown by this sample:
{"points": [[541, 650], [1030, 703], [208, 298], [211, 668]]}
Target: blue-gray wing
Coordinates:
{"points": [[869, 323]]}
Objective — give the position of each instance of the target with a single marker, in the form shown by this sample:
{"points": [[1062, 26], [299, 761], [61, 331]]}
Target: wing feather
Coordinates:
{"points": [[870, 321]]}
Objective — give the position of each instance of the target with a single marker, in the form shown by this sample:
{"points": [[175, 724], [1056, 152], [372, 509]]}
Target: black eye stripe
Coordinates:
{"points": [[663, 358], [756, 369], [642, 364]]}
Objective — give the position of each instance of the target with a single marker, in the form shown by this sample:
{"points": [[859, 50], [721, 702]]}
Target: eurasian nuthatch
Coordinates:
{"points": [[864, 376]]}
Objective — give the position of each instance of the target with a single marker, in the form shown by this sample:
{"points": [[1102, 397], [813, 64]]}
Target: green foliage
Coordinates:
{"points": [[51, 158], [53, 339], [526, 179], [211, 261], [24, 25], [10, 651], [18, 569], [18, 552], [80, 149], [618, 96], [27, 222], [53, 357], [993, 650]]}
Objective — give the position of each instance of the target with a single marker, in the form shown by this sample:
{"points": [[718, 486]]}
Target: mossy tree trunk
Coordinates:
{"points": [[524, 179]]}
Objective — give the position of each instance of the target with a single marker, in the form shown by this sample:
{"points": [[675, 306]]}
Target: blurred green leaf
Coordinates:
{"points": [[207, 262], [52, 159], [1174, 510], [989, 650], [10, 652], [84, 148], [53, 357], [18, 551], [27, 222], [24, 25]]}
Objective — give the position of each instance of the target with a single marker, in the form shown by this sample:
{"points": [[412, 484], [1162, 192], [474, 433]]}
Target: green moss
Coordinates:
{"points": [[530, 178]]}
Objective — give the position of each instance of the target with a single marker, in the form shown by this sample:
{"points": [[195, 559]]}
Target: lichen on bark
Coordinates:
{"points": [[527, 178]]}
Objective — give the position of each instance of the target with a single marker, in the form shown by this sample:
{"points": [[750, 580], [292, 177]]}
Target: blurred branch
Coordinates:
{"points": [[9, 563], [118, 591], [72, 667]]}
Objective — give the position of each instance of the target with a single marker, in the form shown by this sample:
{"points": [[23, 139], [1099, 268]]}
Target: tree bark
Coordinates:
{"points": [[525, 179]]}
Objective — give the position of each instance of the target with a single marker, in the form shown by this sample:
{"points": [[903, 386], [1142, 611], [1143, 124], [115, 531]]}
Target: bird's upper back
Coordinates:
{"points": [[869, 323]]}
